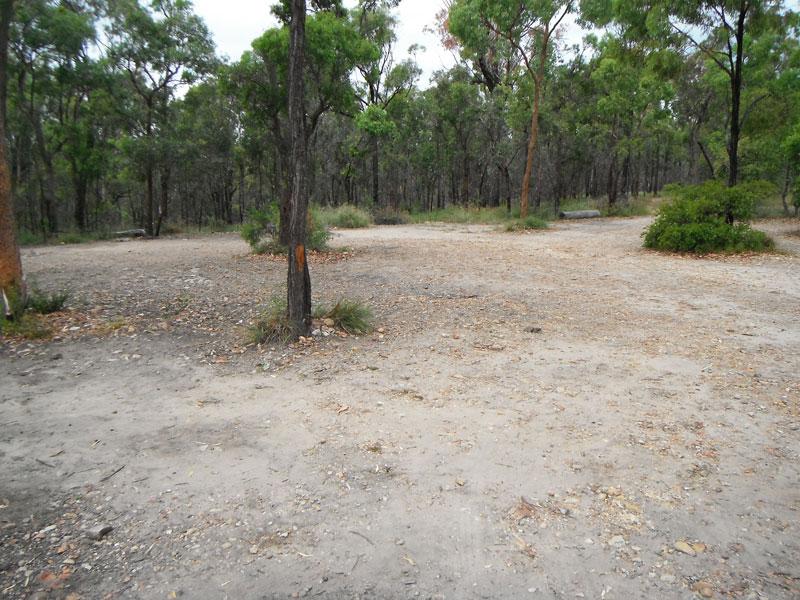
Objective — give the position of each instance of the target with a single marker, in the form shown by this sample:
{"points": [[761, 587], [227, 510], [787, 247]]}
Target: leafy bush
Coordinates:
{"points": [[44, 303], [529, 222], [387, 216], [703, 218], [262, 232], [346, 216], [273, 325], [259, 224], [348, 315]]}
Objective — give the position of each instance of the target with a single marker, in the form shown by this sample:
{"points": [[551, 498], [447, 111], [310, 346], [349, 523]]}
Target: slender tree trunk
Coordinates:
{"points": [[11, 281], [374, 168], [298, 279], [787, 180], [736, 100], [164, 200], [526, 179]]}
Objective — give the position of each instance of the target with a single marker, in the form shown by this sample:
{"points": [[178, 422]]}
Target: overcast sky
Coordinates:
{"points": [[236, 23]]}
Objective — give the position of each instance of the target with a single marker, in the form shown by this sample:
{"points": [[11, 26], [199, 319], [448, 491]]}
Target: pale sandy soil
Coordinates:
{"points": [[455, 454]]}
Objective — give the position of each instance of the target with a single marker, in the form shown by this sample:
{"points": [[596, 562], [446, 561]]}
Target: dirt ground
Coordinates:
{"points": [[558, 414]]}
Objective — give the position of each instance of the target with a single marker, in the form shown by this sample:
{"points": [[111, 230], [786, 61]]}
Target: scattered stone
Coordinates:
{"points": [[667, 578], [99, 532], [534, 330], [617, 541], [704, 589], [685, 547], [329, 322]]}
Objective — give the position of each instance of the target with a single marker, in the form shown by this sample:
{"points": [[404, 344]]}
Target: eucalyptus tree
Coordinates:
{"points": [[160, 48], [260, 80], [11, 280], [379, 79], [526, 29]]}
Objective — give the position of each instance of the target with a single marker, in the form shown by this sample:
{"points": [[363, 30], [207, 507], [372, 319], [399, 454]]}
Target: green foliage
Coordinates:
{"points": [[44, 303], [259, 224], [262, 233], [28, 325], [387, 216], [350, 316], [345, 216], [460, 214], [698, 220], [273, 325], [529, 222]]}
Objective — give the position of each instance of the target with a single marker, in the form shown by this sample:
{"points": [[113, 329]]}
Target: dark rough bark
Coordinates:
{"points": [[298, 279], [11, 281], [736, 99]]}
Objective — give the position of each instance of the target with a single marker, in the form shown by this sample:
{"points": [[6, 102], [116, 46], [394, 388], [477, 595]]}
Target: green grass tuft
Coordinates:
{"points": [[28, 325], [273, 324], [529, 222], [346, 216], [350, 316], [44, 303]]}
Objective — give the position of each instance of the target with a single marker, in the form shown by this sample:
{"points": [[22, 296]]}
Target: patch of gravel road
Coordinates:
{"points": [[556, 414]]}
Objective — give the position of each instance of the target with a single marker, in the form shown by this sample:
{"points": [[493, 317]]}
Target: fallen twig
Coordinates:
{"points": [[109, 476]]}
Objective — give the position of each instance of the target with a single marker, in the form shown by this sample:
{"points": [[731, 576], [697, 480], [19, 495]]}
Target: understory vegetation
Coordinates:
{"points": [[114, 121], [709, 217], [273, 327], [24, 319]]}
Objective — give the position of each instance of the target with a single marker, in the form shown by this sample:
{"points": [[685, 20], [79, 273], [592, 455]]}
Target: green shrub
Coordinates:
{"points": [[262, 232], [346, 216], [709, 218], [259, 224], [387, 216], [529, 222], [273, 324], [44, 303], [348, 315]]}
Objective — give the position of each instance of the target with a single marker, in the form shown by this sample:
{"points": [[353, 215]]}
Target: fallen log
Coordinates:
{"points": [[131, 233], [579, 214]]}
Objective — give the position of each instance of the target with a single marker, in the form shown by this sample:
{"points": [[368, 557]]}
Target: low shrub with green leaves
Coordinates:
{"points": [[529, 222], [345, 216], [44, 303], [262, 232], [709, 217]]}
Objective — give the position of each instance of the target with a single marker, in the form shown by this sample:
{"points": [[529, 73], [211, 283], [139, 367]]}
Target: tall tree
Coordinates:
{"points": [[11, 282], [160, 49], [298, 279], [527, 27]]}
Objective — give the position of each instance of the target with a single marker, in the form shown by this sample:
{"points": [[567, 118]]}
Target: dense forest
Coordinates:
{"points": [[120, 114]]}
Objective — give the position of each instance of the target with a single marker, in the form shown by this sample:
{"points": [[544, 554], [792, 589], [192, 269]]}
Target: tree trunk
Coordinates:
{"points": [[736, 99], [164, 200], [375, 169], [298, 279], [787, 180], [11, 281], [526, 179]]}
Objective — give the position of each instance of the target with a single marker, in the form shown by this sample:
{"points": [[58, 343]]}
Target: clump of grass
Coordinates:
{"points": [[387, 216], [460, 214], [44, 303], [27, 325], [351, 316], [528, 223], [345, 216], [273, 324]]}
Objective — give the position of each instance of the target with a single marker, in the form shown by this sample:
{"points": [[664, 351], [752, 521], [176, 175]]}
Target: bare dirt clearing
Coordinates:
{"points": [[643, 444]]}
